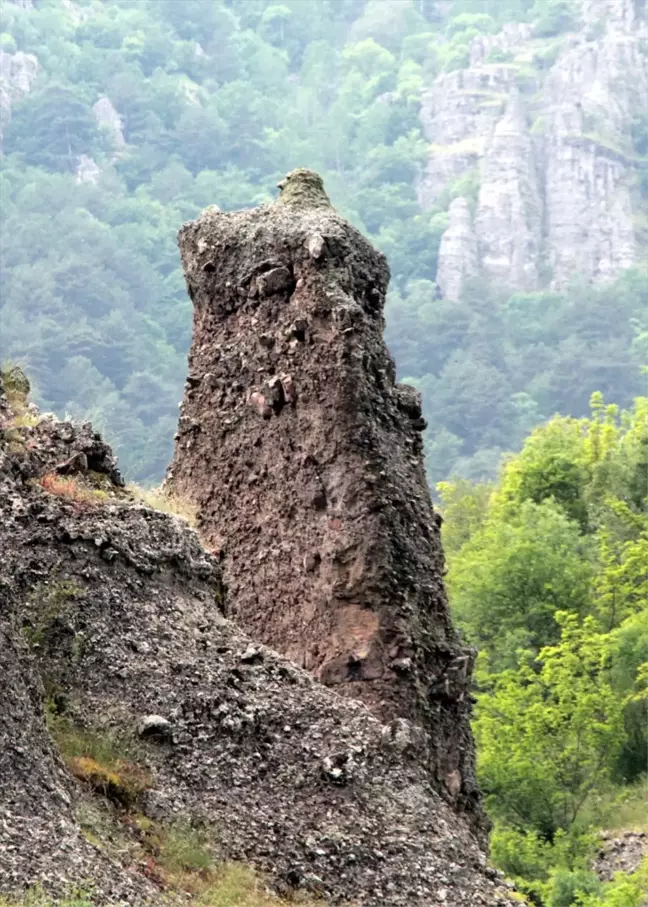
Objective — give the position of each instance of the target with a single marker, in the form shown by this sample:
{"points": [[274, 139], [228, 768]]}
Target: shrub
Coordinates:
{"points": [[555, 17], [51, 601]]}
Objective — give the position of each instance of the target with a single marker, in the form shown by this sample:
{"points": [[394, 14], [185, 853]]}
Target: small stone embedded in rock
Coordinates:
{"points": [[312, 560], [338, 768], [316, 245], [155, 727], [274, 281], [258, 401], [78, 462], [453, 782], [252, 655], [276, 394], [288, 385]]}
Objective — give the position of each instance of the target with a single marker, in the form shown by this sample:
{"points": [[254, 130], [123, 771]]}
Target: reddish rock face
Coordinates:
{"points": [[305, 460]]}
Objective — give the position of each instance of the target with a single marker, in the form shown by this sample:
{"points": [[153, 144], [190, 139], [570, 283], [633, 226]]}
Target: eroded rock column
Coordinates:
{"points": [[305, 460]]}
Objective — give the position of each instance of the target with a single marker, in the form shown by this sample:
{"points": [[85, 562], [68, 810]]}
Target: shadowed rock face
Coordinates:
{"points": [[306, 462]]}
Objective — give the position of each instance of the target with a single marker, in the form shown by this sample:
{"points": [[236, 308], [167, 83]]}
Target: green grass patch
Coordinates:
{"points": [[106, 765], [232, 885]]}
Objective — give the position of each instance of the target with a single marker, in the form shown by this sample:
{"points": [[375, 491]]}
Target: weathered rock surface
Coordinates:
{"points": [[18, 73], [109, 119], [87, 171], [508, 221], [305, 785], [458, 261], [305, 460], [620, 852], [549, 133]]}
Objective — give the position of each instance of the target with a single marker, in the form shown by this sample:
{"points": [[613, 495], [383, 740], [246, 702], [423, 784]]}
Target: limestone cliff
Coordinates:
{"points": [[18, 72], [111, 624], [546, 131], [305, 460]]}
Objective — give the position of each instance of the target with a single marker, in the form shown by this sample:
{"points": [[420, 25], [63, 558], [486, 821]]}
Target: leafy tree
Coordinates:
{"points": [[52, 128], [550, 731], [556, 16], [464, 506], [512, 576]]}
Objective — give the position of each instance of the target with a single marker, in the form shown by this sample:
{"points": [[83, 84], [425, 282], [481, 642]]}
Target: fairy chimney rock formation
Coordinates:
{"points": [[305, 460]]}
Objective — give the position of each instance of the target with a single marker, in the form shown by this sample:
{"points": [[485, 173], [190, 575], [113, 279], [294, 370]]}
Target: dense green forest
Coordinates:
{"points": [[218, 99], [548, 577]]}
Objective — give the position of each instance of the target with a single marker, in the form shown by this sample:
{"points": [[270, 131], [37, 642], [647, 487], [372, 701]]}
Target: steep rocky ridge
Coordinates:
{"points": [[286, 775], [544, 126], [304, 458]]}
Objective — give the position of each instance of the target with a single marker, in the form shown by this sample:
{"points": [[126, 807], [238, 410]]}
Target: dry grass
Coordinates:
{"points": [[630, 810], [158, 499], [620, 808], [121, 782], [16, 387], [72, 489], [26, 420]]}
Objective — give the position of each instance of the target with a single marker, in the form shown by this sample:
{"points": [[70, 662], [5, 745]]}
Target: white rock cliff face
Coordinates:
{"points": [[107, 116], [552, 149], [458, 260], [508, 223], [17, 74]]}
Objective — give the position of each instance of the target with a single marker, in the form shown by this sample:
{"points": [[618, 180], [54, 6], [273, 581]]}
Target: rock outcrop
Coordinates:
{"points": [[548, 134], [18, 72], [620, 852], [458, 261], [508, 222], [113, 611], [108, 118], [305, 460]]}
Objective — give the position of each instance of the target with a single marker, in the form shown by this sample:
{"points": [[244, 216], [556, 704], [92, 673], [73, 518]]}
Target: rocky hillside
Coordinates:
{"points": [[542, 137], [133, 711]]}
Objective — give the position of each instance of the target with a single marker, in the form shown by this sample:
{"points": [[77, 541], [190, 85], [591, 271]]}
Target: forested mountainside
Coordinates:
{"points": [[496, 152], [548, 578]]}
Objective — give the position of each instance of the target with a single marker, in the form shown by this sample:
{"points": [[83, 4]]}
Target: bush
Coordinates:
{"points": [[556, 17]]}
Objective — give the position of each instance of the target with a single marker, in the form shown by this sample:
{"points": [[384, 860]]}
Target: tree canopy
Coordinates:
{"points": [[216, 100]]}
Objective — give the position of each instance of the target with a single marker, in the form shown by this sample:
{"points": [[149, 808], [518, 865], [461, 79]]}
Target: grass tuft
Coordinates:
{"points": [[106, 765], [120, 782], [160, 500], [70, 488]]}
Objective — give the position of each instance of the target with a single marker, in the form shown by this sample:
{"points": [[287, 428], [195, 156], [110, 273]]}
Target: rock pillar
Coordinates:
{"points": [[305, 460]]}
